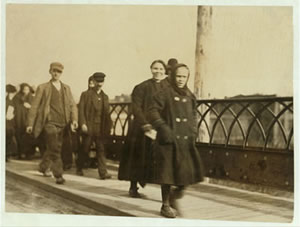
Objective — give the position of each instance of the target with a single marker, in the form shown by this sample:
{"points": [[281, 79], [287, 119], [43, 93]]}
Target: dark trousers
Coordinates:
{"points": [[52, 157], [70, 145], [83, 153]]}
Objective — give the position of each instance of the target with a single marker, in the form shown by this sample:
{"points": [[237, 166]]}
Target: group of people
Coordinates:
{"points": [[19, 144], [160, 144]]}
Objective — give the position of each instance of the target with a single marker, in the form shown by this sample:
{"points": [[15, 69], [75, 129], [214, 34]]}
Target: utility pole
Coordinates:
{"points": [[204, 25]]}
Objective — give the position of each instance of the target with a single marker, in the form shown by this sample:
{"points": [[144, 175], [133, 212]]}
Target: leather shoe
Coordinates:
{"points": [[79, 172], [105, 176], [60, 180], [133, 192], [46, 173], [167, 212]]}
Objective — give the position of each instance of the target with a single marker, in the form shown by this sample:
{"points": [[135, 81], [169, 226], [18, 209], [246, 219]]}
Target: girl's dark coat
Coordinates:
{"points": [[176, 160]]}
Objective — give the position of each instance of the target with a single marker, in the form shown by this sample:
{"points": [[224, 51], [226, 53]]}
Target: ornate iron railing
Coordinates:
{"points": [[248, 140], [259, 123], [249, 123]]}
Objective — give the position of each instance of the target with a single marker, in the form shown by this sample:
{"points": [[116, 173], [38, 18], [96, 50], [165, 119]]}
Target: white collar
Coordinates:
{"points": [[56, 84]]}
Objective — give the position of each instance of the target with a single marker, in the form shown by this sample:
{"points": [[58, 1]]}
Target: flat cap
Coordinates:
{"points": [[99, 76], [57, 66]]}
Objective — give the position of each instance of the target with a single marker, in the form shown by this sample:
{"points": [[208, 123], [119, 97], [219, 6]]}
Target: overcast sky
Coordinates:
{"points": [[120, 41]]}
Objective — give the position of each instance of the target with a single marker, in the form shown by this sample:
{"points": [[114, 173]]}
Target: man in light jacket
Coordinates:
{"points": [[53, 109]]}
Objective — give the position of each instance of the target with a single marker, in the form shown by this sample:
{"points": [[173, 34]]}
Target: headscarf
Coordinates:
{"points": [[185, 91]]}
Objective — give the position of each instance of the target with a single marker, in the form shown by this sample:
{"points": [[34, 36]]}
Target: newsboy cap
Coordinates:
{"points": [[56, 65], [98, 76]]}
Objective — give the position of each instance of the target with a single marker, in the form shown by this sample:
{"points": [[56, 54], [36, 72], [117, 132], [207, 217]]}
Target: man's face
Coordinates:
{"points": [[55, 74], [99, 85], [181, 77]]}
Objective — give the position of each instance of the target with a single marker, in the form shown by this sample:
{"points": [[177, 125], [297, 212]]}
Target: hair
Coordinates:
{"points": [[23, 85], [159, 61], [172, 62]]}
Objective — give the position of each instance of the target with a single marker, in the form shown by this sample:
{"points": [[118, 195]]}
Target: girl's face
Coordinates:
{"points": [[181, 77], [26, 90], [158, 71]]}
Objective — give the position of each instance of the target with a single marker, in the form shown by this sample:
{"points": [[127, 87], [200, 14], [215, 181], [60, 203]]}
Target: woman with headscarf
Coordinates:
{"points": [[176, 160], [22, 102], [135, 158]]}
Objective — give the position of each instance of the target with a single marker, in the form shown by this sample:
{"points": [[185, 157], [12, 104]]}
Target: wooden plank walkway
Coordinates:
{"points": [[201, 201]]}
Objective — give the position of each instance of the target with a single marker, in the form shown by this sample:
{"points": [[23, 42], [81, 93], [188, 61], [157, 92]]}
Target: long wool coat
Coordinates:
{"points": [[136, 155], [176, 160]]}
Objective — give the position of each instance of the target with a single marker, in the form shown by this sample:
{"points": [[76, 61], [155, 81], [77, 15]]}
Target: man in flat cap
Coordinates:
{"points": [[53, 109], [95, 123]]}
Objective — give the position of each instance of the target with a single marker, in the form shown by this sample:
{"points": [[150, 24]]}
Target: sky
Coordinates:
{"points": [[121, 41]]}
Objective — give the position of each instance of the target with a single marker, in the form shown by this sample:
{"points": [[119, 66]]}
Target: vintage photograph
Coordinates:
{"points": [[163, 113]]}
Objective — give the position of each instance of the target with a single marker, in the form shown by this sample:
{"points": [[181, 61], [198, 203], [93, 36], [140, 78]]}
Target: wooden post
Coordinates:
{"points": [[203, 31], [204, 26]]}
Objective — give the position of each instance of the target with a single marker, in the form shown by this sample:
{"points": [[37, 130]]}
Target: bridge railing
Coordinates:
{"points": [[249, 140]]}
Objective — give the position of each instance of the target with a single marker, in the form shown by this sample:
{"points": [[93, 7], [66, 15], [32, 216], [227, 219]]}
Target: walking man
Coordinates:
{"points": [[53, 109], [95, 124]]}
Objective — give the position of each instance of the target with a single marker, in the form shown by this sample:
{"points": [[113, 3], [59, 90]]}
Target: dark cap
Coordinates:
{"points": [[10, 88], [57, 66], [172, 62], [99, 77]]}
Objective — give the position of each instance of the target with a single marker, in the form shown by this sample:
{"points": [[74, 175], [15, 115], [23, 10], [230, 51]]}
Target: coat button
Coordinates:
{"points": [[185, 137], [184, 120], [184, 100], [176, 98], [178, 119], [178, 137]]}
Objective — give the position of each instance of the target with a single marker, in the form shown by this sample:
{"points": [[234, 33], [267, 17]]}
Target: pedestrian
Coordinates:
{"points": [[52, 110], [171, 63], [135, 157], [176, 160], [11, 143], [72, 143], [22, 100], [95, 124], [82, 159]]}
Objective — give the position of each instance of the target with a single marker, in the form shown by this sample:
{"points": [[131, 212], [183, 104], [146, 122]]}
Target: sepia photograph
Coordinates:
{"points": [[149, 113]]}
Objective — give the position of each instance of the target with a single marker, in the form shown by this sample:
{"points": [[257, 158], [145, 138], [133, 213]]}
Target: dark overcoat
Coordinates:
{"points": [[136, 155], [88, 105], [21, 111], [176, 160]]}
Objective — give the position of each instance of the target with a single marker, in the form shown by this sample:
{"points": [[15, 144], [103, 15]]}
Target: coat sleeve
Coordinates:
{"points": [[137, 96], [155, 109], [154, 113], [35, 106], [73, 107], [81, 108], [108, 120]]}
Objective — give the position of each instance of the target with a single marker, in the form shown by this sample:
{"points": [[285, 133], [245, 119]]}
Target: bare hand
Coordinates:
{"points": [[74, 126], [84, 128], [29, 129], [27, 105], [147, 127]]}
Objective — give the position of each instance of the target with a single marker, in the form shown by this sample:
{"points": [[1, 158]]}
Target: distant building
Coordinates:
{"points": [[121, 98]]}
